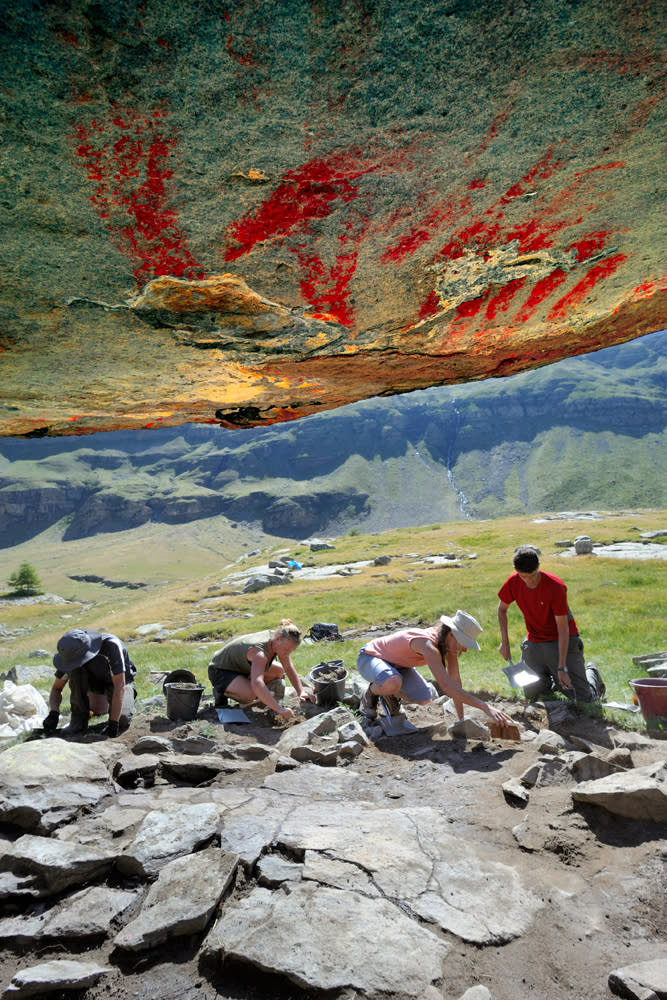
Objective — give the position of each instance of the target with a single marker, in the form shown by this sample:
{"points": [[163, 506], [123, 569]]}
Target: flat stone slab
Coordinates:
{"points": [[57, 864], [164, 836], [48, 977], [47, 782], [413, 861], [182, 899], [278, 933], [88, 913]]}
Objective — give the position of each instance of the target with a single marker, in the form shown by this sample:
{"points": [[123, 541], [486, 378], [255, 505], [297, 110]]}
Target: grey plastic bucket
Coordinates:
{"points": [[328, 692], [183, 701]]}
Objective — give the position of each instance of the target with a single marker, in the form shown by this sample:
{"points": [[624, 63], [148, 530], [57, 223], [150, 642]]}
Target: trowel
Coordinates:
{"points": [[394, 725], [519, 674]]}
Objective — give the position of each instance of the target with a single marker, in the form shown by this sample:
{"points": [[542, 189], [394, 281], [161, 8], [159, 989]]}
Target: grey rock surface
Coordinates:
{"points": [[56, 864], [48, 782], [85, 914], [164, 836], [181, 900], [277, 932]]}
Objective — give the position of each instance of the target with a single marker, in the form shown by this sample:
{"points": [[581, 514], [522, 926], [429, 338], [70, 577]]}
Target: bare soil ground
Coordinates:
{"points": [[601, 878]]}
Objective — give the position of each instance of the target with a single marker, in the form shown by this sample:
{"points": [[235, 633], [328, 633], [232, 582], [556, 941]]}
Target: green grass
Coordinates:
{"points": [[618, 604]]}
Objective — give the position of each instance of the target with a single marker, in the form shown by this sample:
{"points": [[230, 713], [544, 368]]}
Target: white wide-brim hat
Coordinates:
{"points": [[465, 629]]}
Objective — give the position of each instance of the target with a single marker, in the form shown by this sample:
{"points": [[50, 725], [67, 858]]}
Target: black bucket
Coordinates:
{"points": [[183, 701], [330, 690]]}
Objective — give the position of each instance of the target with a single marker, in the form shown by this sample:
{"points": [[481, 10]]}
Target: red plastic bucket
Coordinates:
{"points": [[652, 695]]}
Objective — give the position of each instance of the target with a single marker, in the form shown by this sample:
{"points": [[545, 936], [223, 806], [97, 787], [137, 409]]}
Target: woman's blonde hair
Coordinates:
{"points": [[288, 630]]}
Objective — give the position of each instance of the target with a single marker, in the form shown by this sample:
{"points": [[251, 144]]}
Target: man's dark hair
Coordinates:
{"points": [[526, 559]]}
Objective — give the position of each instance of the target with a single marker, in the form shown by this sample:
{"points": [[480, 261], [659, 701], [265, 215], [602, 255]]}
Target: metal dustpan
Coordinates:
{"points": [[519, 674], [227, 715], [394, 725]]}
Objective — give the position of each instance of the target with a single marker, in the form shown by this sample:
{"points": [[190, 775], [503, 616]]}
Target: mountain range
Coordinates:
{"points": [[585, 432]]}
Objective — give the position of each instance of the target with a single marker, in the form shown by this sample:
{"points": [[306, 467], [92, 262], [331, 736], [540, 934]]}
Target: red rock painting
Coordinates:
{"points": [[127, 159]]}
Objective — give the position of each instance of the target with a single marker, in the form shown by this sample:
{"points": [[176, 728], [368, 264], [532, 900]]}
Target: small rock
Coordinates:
{"points": [[59, 974], [583, 545], [621, 757], [550, 742], [469, 729], [152, 745], [514, 789], [477, 993]]}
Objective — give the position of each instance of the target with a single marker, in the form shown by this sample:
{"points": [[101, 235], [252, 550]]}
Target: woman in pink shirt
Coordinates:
{"points": [[389, 664]]}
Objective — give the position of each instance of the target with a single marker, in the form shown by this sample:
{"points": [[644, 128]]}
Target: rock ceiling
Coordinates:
{"points": [[241, 213]]}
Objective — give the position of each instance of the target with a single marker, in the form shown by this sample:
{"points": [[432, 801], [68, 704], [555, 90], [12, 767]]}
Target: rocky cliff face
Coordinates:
{"points": [[240, 213]]}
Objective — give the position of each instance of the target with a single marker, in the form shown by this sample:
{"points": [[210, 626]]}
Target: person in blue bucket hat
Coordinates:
{"points": [[100, 674]]}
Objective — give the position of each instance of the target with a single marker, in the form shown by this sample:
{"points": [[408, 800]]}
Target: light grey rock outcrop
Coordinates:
{"points": [[277, 932], [182, 899], [48, 782], [49, 977], [638, 794]]}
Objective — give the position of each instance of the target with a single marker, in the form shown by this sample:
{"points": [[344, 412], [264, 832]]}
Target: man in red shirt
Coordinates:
{"points": [[552, 647]]}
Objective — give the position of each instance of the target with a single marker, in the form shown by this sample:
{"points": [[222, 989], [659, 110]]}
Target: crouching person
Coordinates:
{"points": [[251, 668], [100, 673], [390, 664]]}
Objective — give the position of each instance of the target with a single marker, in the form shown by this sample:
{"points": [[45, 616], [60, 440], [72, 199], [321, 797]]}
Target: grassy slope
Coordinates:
{"points": [[619, 604]]}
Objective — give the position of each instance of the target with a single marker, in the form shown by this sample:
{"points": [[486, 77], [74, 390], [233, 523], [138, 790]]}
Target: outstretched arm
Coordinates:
{"points": [[432, 659]]}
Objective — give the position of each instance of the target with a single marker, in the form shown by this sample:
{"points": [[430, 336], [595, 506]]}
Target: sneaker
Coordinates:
{"points": [[392, 705], [368, 706]]}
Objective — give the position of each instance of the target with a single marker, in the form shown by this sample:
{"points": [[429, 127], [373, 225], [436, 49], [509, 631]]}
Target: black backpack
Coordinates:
{"points": [[323, 631]]}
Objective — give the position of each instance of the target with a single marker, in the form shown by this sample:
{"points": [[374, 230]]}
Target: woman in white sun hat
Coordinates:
{"points": [[389, 664]]}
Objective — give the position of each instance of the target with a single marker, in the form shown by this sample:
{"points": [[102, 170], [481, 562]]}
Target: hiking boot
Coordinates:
{"points": [[77, 726], [368, 706], [221, 699], [392, 705]]}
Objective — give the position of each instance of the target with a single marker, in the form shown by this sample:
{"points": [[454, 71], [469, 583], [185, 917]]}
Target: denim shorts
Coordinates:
{"points": [[413, 688]]}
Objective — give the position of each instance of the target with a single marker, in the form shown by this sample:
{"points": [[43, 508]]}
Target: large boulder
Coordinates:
{"points": [[231, 216]]}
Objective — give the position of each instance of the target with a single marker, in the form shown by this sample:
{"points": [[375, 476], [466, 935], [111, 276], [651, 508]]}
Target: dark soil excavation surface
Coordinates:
{"points": [[601, 878]]}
